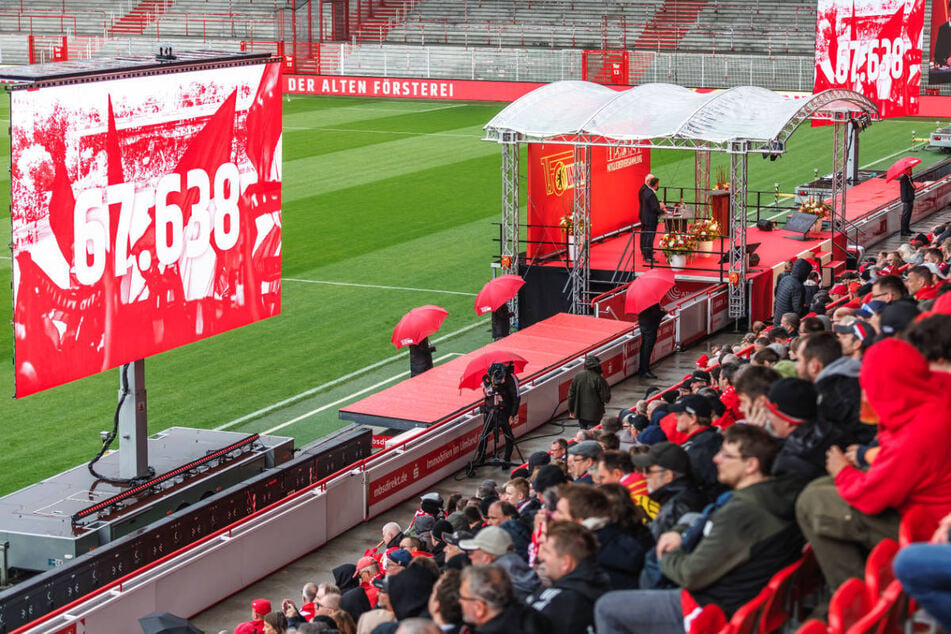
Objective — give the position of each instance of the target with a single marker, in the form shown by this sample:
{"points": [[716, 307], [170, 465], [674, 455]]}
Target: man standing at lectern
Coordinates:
{"points": [[650, 211]]}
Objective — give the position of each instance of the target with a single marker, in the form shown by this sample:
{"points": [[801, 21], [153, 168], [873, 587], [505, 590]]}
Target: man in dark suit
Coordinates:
{"points": [[907, 201], [942, 42], [648, 320], [650, 211]]}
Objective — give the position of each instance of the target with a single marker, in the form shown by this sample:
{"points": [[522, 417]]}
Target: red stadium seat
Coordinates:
{"points": [[777, 610], [916, 526], [710, 619], [848, 605], [888, 616], [813, 626], [878, 569], [808, 581], [746, 619]]}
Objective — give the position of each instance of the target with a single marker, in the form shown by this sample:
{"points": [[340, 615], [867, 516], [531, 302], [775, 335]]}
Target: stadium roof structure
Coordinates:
{"points": [[666, 115]]}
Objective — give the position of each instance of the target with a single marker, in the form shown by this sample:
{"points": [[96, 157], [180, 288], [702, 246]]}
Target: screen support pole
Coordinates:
{"points": [[133, 422]]}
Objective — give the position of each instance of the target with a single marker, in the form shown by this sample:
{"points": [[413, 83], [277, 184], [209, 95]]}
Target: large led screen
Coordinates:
{"points": [[146, 214], [873, 48]]}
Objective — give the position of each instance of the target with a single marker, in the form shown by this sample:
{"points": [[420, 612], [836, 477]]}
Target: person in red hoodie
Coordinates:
{"points": [[844, 516]]}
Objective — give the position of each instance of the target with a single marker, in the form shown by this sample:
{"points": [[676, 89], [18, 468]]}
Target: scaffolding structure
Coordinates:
{"points": [[738, 121]]}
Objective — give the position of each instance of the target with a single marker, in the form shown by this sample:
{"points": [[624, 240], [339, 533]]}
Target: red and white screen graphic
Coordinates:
{"points": [[146, 215], [872, 47]]}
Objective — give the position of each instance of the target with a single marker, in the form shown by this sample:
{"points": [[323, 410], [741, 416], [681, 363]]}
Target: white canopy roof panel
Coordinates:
{"points": [[664, 114]]}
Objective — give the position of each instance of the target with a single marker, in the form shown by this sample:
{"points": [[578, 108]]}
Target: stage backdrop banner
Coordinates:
{"points": [[146, 215], [616, 176], [873, 48]]}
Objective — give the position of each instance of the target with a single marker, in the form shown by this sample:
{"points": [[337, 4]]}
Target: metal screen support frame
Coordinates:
{"points": [[840, 160], [509, 244], [580, 274], [701, 162], [738, 174]]}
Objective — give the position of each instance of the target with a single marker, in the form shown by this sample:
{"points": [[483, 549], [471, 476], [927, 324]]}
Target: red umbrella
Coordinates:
{"points": [[899, 166], [496, 292], [418, 324], [648, 289], [478, 366]]}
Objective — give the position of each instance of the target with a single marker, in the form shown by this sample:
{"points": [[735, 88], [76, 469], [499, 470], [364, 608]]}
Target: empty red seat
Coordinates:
{"points": [[848, 605], [887, 616], [878, 569], [916, 526], [710, 619], [813, 626], [746, 619], [778, 607]]}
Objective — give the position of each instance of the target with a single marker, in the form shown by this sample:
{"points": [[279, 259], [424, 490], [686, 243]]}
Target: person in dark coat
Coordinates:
{"points": [[344, 577], [790, 293], [501, 324], [568, 554], [409, 591], [588, 393], [421, 357], [907, 201], [703, 441], [489, 604], [650, 211], [669, 485], [648, 322]]}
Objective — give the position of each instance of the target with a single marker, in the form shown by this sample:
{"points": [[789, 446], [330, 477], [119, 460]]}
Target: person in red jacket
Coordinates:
{"points": [[844, 516]]}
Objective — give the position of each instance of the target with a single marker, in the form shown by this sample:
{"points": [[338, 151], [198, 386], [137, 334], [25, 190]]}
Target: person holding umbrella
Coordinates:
{"points": [[413, 330], [644, 297], [494, 297]]}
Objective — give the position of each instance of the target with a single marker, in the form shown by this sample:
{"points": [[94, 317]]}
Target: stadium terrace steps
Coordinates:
{"points": [[141, 16], [669, 24], [384, 17]]}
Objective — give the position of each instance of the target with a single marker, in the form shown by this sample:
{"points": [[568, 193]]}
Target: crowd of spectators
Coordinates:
{"points": [[825, 429]]}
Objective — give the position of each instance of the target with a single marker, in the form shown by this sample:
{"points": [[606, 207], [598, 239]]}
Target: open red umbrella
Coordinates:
{"points": [[478, 366], [496, 292], [648, 289], [899, 166], [418, 324]]}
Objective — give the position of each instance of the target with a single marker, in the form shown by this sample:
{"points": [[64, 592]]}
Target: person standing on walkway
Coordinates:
{"points": [[588, 394], [650, 211], [648, 321], [907, 201]]}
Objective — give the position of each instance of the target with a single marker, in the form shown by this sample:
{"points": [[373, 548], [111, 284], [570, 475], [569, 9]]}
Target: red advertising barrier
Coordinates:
{"points": [[452, 89], [873, 48], [616, 176], [146, 215]]}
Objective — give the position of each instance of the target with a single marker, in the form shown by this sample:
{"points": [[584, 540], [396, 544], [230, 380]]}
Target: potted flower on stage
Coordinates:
{"points": [[705, 231], [568, 224], [817, 208], [677, 246]]}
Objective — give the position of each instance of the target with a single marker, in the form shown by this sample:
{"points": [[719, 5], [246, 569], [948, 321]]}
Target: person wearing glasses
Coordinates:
{"points": [[727, 556], [489, 604]]}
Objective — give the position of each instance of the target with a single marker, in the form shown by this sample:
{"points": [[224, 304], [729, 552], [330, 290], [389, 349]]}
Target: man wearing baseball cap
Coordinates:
{"points": [[670, 485], [703, 441], [493, 545], [368, 569], [582, 459], [259, 607]]}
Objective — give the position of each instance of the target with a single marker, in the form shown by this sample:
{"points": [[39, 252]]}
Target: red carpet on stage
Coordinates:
{"points": [[434, 396]]}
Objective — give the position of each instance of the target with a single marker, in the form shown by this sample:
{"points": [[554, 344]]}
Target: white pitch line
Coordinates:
{"points": [[388, 288], [319, 388], [347, 398]]}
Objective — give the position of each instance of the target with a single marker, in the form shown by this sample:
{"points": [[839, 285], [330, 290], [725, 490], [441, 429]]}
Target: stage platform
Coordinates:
{"points": [[434, 396]]}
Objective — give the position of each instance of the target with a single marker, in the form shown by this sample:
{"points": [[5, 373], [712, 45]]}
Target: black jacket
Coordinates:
{"points": [[421, 357], [790, 293], [517, 618], [700, 448], [648, 320], [840, 400], [676, 498], [803, 455], [649, 208], [907, 188], [569, 602], [621, 556]]}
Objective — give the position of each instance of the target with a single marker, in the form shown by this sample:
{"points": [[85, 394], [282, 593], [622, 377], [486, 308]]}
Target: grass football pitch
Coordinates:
{"points": [[387, 205]]}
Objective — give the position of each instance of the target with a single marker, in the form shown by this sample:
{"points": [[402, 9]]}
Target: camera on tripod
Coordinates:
{"points": [[493, 382]]}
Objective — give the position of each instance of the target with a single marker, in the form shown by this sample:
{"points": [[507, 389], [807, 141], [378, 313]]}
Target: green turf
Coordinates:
{"points": [[376, 192]]}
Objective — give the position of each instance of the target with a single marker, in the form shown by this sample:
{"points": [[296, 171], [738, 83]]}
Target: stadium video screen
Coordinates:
{"points": [[146, 214]]}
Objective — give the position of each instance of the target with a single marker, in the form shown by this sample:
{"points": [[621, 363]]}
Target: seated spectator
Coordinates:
{"points": [[619, 553], [583, 460], [409, 592], [728, 396], [925, 573], [752, 386], [519, 492], [259, 608], [931, 336], [855, 336], [790, 322], [444, 605], [703, 441], [456, 557], [656, 411], [836, 378], [368, 621], [921, 284], [489, 604], [609, 441], [615, 467], [759, 343], [888, 289], [792, 417], [810, 325], [767, 358], [727, 555], [367, 570], [568, 555], [396, 561], [492, 545], [844, 516], [670, 485], [308, 609], [275, 623]]}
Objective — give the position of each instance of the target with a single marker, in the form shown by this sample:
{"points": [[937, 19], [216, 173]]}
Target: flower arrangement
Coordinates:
{"points": [[722, 183], [677, 243], [815, 207], [567, 223], [705, 229]]}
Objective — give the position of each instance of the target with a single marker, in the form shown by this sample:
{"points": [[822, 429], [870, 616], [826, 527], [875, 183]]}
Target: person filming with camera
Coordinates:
{"points": [[499, 408]]}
